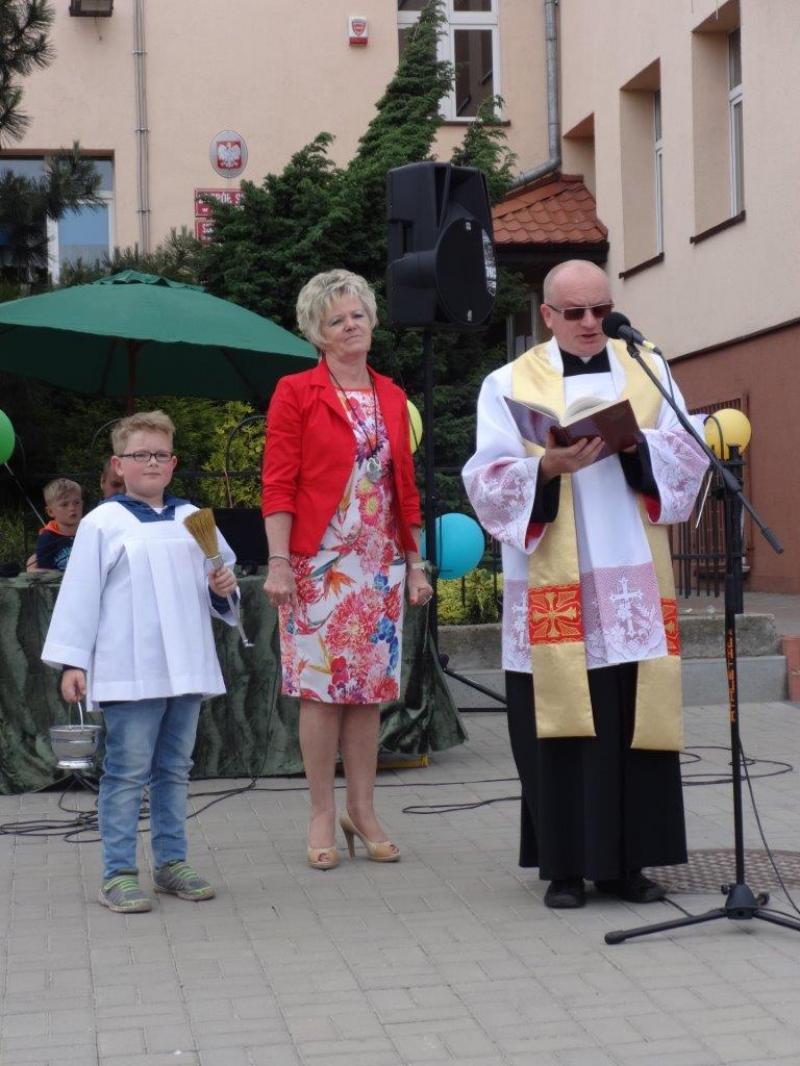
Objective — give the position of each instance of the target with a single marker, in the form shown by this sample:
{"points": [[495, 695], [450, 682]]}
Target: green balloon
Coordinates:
{"points": [[6, 438]]}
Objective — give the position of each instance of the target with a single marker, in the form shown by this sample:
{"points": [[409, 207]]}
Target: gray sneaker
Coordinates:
{"points": [[182, 880], [123, 893]]}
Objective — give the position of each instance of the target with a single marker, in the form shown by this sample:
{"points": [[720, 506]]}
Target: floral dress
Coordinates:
{"points": [[343, 643]]}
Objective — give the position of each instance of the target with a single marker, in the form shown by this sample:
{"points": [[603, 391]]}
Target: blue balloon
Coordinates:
{"points": [[460, 545]]}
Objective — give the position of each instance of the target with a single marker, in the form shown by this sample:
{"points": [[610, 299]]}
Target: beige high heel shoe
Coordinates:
{"points": [[377, 850], [323, 858]]}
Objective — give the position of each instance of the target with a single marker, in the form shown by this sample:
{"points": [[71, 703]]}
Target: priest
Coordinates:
{"points": [[590, 629]]}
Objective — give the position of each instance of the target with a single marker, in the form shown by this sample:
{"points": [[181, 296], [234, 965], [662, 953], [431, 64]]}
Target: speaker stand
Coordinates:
{"points": [[431, 507]]}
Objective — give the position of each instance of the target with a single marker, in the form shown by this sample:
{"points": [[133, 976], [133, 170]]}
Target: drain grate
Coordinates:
{"points": [[707, 869]]}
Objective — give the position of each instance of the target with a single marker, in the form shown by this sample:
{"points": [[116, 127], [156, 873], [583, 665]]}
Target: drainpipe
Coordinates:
{"points": [[142, 131], [553, 121]]}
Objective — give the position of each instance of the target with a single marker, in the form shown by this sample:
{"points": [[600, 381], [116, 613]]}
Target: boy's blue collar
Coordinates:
{"points": [[143, 511]]}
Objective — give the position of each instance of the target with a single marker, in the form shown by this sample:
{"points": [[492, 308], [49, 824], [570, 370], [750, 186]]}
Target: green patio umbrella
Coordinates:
{"points": [[135, 334]]}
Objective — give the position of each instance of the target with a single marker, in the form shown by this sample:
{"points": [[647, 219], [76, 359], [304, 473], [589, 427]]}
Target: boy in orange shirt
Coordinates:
{"points": [[64, 506]]}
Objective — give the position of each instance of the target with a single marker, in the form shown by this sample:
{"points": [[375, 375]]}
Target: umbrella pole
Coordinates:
{"points": [[26, 497], [133, 348]]}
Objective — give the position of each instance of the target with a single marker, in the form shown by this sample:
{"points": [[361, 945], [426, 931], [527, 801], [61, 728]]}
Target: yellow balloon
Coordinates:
{"points": [[725, 428], [416, 426]]}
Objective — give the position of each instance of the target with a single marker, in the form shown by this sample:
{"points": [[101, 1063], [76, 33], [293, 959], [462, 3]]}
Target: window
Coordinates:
{"points": [[470, 43], [641, 167], [82, 233], [735, 119], [717, 121], [658, 152], [524, 329], [578, 155]]}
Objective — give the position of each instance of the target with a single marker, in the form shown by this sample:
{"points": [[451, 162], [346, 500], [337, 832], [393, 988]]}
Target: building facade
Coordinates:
{"points": [[681, 117], [147, 90]]}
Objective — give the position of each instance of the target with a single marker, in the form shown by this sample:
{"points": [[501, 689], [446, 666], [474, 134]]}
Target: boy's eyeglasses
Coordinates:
{"points": [[575, 314], [145, 457]]}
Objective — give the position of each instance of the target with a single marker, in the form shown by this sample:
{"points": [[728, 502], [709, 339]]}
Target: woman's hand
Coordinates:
{"points": [[73, 685], [419, 588], [280, 587], [557, 460], [222, 582]]}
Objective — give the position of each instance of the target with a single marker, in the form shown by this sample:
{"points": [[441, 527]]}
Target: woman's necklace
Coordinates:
{"points": [[373, 464]]}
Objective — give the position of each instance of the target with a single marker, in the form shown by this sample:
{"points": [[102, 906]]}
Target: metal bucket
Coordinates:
{"points": [[75, 746]]}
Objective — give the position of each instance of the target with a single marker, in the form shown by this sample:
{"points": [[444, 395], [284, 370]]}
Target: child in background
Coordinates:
{"points": [[132, 626], [63, 501]]}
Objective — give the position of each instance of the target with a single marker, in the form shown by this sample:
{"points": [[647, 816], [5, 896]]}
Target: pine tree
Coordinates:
{"points": [[404, 128], [68, 180], [24, 45], [266, 249], [315, 216]]}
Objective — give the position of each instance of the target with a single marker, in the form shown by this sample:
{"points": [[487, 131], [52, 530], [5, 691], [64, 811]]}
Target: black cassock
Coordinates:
{"points": [[594, 807]]}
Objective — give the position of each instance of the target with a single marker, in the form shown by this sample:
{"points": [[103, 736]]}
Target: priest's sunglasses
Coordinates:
{"points": [[575, 314], [145, 457]]}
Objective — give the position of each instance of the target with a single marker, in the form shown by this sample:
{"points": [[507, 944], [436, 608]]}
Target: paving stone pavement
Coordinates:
{"points": [[446, 957]]}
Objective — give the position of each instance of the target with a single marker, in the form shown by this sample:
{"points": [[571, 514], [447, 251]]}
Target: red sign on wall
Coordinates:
{"points": [[203, 223], [202, 209], [203, 229], [358, 30]]}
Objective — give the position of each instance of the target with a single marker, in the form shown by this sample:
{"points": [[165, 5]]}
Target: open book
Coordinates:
{"points": [[588, 416]]}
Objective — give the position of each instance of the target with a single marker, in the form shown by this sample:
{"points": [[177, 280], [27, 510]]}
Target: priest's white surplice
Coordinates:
{"points": [[619, 591]]}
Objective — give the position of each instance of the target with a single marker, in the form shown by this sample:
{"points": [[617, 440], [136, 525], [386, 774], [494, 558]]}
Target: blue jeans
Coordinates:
{"points": [[148, 742]]}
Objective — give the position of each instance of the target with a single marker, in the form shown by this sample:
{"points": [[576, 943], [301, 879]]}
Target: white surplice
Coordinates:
{"points": [[619, 592], [134, 608]]}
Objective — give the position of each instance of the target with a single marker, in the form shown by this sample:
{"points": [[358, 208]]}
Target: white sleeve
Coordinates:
{"points": [[677, 460], [500, 478], [72, 633]]}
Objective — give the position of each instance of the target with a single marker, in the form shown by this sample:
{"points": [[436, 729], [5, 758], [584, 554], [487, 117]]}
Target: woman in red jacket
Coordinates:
{"points": [[342, 515]]}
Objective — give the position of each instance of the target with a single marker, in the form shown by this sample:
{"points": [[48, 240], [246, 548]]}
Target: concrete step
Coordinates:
{"points": [[702, 637], [474, 651], [761, 679]]}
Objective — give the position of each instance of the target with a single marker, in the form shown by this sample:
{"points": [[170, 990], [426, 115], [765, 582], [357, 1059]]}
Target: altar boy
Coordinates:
{"points": [[131, 630]]}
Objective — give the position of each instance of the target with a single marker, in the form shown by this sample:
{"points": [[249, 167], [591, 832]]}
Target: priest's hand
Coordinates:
{"points": [[557, 460], [73, 685]]}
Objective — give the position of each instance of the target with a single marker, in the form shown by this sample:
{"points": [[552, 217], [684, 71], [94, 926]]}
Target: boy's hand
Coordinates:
{"points": [[222, 582], [73, 685]]}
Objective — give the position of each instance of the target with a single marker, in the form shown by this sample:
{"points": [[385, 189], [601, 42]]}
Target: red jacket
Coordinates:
{"points": [[310, 449]]}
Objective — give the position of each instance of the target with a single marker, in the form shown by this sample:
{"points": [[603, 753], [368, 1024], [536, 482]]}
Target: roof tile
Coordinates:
{"points": [[558, 210]]}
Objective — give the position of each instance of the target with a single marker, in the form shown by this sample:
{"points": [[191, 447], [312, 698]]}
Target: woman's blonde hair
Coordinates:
{"points": [[156, 421], [319, 293]]}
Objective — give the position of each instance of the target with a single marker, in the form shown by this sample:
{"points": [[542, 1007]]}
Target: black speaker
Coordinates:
{"points": [[441, 270]]}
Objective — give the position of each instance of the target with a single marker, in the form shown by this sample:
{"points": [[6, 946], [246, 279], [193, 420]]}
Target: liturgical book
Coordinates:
{"points": [[588, 416]]}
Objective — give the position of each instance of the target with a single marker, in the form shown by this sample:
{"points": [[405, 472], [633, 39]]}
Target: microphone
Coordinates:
{"points": [[618, 326]]}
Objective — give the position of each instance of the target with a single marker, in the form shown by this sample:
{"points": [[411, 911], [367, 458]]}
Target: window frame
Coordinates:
{"points": [[736, 125], [461, 20], [53, 244], [51, 224], [658, 162], [534, 302]]}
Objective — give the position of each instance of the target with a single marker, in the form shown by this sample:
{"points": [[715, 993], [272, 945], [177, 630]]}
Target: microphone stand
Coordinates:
{"points": [[741, 904]]}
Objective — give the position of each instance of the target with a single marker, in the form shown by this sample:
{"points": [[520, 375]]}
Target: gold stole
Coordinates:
{"points": [[555, 623]]}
